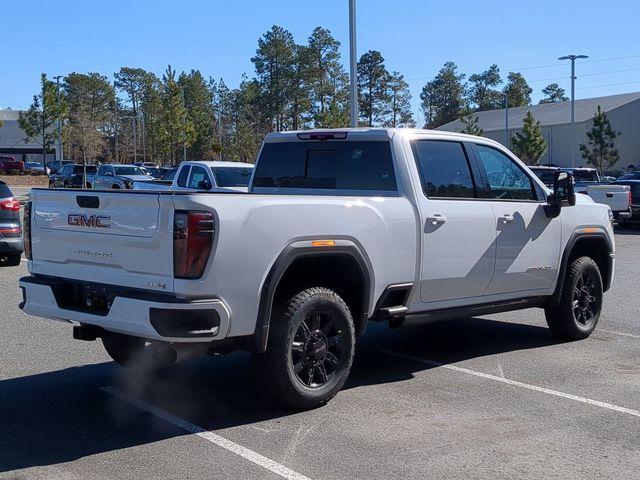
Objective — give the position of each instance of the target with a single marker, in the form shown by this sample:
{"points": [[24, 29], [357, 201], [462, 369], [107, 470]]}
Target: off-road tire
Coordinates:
{"points": [[275, 371], [567, 320]]}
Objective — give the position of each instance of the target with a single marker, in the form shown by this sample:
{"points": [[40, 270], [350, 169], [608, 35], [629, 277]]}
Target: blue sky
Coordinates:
{"points": [[415, 36]]}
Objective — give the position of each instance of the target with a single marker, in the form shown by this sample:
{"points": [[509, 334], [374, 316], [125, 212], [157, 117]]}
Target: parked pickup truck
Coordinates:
{"points": [[339, 228], [588, 182], [199, 175]]}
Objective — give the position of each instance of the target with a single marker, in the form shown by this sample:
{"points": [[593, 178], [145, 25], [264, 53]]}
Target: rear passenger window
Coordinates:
{"points": [[182, 178], [197, 175], [506, 179], [444, 169], [349, 165]]}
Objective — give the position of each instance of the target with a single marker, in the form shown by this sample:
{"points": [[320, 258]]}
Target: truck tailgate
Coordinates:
{"points": [[616, 196], [111, 237]]}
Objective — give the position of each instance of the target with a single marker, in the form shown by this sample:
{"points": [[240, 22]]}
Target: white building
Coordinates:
{"points": [[563, 138]]}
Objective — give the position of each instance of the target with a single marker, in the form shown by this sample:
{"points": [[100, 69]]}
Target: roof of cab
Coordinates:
{"points": [[219, 163], [370, 133]]}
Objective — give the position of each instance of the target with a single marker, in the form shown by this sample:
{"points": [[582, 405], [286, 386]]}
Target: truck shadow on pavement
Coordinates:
{"points": [[61, 416]]}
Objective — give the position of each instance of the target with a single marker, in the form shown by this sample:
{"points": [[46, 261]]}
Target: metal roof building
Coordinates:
{"points": [[563, 138], [12, 139]]}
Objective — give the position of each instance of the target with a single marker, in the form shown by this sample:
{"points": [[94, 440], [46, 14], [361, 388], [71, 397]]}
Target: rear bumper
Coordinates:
{"points": [[9, 246], [131, 313], [622, 214]]}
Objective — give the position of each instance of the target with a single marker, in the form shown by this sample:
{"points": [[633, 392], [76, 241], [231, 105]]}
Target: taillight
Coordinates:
{"points": [[10, 204], [192, 241], [12, 232], [26, 229], [630, 198]]}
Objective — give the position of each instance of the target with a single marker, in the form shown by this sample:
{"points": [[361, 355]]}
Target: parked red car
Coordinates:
{"points": [[8, 163]]}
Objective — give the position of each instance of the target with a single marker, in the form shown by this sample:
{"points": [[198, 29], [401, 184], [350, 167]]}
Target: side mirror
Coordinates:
{"points": [[563, 193], [204, 185], [108, 174]]}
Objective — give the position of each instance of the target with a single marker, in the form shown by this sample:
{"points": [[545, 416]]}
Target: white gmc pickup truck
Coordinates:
{"points": [[339, 228]]}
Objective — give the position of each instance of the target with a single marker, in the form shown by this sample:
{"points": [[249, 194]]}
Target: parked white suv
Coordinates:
{"points": [[339, 228]]}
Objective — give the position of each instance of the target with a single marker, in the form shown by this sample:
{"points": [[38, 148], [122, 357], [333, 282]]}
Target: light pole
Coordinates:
{"points": [[506, 120], [353, 80], [135, 137], [184, 127], [60, 151], [573, 59]]}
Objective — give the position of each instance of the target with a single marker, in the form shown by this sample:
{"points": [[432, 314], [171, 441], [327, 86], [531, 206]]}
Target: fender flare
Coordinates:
{"points": [[290, 254], [575, 238]]}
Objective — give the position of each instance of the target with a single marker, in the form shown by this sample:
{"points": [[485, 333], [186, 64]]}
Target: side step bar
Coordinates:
{"points": [[392, 312]]}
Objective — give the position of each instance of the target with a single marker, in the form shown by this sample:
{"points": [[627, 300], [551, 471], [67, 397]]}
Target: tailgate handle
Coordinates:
{"points": [[86, 201], [609, 194]]}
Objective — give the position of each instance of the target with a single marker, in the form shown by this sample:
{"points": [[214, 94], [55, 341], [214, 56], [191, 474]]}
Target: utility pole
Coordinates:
{"points": [[59, 121], [353, 80], [573, 59], [184, 127]]}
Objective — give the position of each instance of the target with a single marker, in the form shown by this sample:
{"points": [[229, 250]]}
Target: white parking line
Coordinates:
{"points": [[515, 383], [620, 333], [244, 452]]}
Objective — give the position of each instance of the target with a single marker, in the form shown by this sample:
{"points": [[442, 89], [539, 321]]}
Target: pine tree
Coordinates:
{"points": [[399, 101], [199, 105], [274, 63], [517, 90], [470, 125], [554, 94], [529, 144], [372, 88], [177, 129], [38, 120], [443, 97], [328, 81], [90, 99], [481, 91], [600, 151]]}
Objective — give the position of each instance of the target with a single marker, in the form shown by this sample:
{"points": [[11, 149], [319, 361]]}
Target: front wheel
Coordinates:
{"points": [[578, 311], [310, 350]]}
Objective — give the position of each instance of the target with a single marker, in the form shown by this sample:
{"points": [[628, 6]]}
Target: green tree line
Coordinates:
{"points": [[140, 116]]}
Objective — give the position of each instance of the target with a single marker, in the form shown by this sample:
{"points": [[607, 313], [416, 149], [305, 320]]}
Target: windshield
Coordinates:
{"points": [[79, 169], [232, 176], [585, 176], [130, 170], [170, 175], [4, 191], [545, 175], [155, 172]]}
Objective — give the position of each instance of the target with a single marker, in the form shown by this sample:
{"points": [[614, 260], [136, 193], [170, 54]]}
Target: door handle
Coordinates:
{"points": [[506, 218], [437, 219]]}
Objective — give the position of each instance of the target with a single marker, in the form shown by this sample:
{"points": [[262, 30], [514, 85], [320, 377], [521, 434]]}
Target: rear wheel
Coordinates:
{"points": [[578, 311], [310, 350], [12, 260]]}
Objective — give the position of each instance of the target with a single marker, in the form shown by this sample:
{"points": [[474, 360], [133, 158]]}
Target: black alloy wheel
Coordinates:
{"points": [[585, 300], [317, 350]]}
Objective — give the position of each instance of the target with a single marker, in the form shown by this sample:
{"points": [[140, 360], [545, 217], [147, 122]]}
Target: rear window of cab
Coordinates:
{"points": [[327, 165]]}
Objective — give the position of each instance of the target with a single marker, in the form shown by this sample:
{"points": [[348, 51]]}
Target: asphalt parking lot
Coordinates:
{"points": [[492, 397]]}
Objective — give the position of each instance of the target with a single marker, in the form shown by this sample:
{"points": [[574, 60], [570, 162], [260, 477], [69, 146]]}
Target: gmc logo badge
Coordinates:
{"points": [[90, 221]]}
